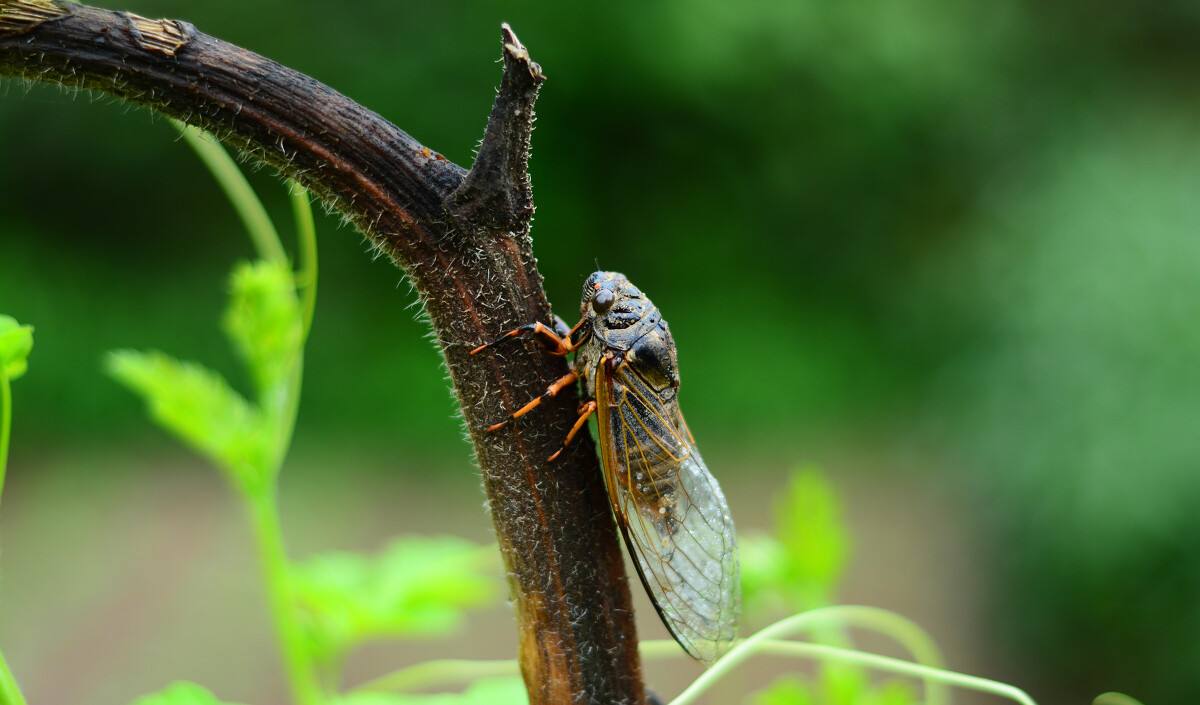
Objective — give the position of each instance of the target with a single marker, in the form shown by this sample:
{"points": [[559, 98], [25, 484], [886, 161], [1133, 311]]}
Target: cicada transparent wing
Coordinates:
{"points": [[671, 511]]}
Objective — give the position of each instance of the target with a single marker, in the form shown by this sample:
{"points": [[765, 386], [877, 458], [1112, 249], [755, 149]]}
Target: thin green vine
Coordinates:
{"points": [[5, 424], [262, 500], [268, 536], [306, 282], [1114, 698], [900, 629], [892, 665], [10, 692], [306, 234], [241, 195], [767, 640]]}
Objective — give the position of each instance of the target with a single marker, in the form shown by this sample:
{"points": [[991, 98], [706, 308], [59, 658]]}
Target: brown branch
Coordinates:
{"points": [[463, 238], [497, 192]]}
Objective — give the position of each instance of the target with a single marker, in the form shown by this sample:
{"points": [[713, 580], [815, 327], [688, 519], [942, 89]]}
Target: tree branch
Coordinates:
{"points": [[463, 239], [497, 192]]}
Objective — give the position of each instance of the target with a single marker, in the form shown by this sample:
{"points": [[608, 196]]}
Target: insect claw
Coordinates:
{"points": [[506, 336]]}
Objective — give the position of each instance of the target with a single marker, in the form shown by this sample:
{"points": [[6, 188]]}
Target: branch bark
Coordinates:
{"points": [[463, 239]]}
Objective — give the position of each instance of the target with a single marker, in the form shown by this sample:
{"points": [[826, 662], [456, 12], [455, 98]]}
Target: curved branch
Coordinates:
{"points": [[463, 238]]}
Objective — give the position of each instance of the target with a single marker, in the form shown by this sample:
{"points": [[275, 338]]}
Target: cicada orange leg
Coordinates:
{"points": [[551, 391], [560, 342], [585, 411]]}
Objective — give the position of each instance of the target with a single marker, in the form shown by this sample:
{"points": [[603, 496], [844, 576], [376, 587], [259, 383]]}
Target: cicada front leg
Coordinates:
{"points": [[585, 411], [561, 342], [551, 391], [558, 340]]}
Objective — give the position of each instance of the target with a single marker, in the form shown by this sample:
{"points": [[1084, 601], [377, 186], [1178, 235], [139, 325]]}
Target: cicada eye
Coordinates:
{"points": [[602, 301]]}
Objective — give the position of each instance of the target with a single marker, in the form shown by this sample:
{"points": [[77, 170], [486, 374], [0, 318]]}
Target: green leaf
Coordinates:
{"points": [[1115, 698], [16, 342], [809, 524], [197, 406], [843, 684], [485, 691], [799, 568], [763, 562], [894, 693], [265, 323], [416, 587], [789, 690], [181, 693], [849, 688]]}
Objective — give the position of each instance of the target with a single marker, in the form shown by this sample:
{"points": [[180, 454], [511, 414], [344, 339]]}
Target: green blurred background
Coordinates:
{"points": [[948, 251]]}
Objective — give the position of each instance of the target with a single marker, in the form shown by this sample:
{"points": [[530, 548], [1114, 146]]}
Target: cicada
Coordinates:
{"points": [[670, 509]]}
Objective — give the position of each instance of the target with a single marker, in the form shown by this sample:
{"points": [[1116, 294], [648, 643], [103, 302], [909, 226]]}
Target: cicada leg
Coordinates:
{"points": [[551, 391], [559, 340], [562, 342], [585, 411]]}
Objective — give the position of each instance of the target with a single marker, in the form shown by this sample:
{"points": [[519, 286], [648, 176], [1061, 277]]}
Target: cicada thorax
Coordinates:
{"points": [[628, 331], [654, 360]]}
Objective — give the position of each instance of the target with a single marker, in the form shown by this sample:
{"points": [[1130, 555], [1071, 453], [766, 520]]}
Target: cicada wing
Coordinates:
{"points": [[672, 513]]}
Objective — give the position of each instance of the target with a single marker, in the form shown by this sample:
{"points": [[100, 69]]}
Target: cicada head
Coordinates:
{"points": [[603, 291], [618, 310]]}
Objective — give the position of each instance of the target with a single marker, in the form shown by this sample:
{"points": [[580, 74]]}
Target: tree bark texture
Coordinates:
{"points": [[463, 239]]}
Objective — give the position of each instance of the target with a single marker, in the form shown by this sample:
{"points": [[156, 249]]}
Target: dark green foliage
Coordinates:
{"points": [[1076, 404]]}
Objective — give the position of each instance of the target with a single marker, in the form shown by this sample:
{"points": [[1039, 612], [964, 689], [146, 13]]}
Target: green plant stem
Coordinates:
{"points": [[262, 500], [892, 665], [436, 673], [10, 693], [451, 671], [1114, 698], [225, 170], [904, 631], [298, 663], [306, 234], [901, 630], [5, 424], [815, 618]]}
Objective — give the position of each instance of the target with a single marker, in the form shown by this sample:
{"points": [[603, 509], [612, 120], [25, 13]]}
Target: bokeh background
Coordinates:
{"points": [[947, 252]]}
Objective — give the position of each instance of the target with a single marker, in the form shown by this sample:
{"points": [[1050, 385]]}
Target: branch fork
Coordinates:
{"points": [[463, 239], [497, 192]]}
